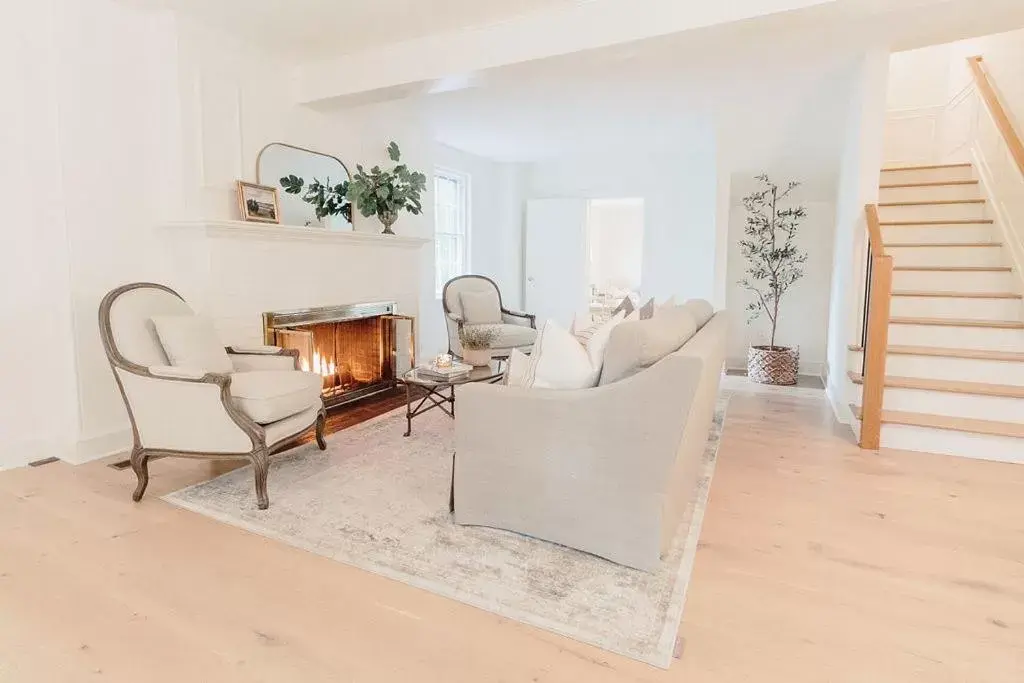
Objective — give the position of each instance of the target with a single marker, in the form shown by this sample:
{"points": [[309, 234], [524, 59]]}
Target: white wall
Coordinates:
{"points": [[858, 185], [38, 416], [932, 75], [126, 118], [803, 314], [681, 209], [496, 228]]}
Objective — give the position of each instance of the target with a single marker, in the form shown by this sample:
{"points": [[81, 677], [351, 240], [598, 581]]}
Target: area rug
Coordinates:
{"points": [[378, 501]]}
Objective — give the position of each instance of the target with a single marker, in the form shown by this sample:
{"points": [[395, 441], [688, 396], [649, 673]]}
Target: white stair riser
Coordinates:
{"points": [[932, 212], [993, 339], [929, 175], [928, 193], [961, 309], [946, 281], [948, 442], [954, 405], [956, 369], [948, 256], [982, 232]]}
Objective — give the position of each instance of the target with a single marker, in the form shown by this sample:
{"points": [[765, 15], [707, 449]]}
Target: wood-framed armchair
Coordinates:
{"points": [[516, 331], [256, 410]]}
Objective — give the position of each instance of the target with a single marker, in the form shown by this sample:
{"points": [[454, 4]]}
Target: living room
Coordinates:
{"points": [[365, 553]]}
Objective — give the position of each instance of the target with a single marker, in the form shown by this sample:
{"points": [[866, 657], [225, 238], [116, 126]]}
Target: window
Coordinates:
{"points": [[451, 226]]}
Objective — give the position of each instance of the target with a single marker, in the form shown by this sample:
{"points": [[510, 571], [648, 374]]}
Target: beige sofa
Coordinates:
{"points": [[610, 470]]}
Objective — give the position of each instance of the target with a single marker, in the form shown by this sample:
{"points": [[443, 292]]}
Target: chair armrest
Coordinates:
{"points": [[519, 318], [173, 372], [262, 349], [250, 358], [174, 409]]}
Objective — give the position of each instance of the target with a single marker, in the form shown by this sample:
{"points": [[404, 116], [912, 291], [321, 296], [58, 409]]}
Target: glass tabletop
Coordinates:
{"points": [[479, 374]]}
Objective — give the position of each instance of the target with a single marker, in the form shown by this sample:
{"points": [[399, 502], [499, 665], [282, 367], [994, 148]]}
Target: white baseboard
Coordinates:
{"points": [[21, 453], [101, 446], [806, 369]]}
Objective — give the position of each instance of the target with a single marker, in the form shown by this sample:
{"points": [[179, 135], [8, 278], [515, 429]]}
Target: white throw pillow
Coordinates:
{"points": [[559, 360], [701, 310], [481, 308], [190, 341]]}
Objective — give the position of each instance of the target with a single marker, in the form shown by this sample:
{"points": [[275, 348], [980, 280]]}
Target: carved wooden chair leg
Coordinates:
{"points": [[261, 466], [140, 466], [321, 422]]}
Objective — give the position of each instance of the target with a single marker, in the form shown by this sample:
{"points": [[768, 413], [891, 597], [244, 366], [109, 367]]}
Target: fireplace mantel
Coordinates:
{"points": [[265, 231]]}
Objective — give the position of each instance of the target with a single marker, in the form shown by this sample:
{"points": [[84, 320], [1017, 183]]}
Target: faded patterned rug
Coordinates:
{"points": [[378, 501]]}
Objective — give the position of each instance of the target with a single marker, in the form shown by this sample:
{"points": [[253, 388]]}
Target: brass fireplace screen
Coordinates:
{"points": [[358, 349]]}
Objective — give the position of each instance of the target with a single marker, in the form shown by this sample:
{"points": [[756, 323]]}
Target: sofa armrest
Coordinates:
{"points": [[518, 318], [588, 469]]}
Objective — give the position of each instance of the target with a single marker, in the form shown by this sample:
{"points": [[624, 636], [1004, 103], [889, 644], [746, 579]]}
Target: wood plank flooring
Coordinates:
{"points": [[818, 562]]}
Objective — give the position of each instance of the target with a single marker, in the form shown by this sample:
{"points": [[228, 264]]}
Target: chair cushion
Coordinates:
{"points": [[190, 341], [270, 395], [481, 308], [511, 336], [634, 346]]}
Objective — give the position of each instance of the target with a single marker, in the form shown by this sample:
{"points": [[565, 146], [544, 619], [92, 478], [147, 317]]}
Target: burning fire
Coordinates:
{"points": [[321, 365]]}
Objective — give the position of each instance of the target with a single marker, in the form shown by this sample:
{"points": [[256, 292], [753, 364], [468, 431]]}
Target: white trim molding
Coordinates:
{"points": [[274, 232]]}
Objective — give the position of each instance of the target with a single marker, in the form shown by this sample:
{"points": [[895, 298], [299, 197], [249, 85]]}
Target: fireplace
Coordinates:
{"points": [[358, 349]]}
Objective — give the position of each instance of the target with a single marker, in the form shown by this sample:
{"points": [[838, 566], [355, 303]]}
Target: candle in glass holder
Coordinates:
{"points": [[443, 360]]}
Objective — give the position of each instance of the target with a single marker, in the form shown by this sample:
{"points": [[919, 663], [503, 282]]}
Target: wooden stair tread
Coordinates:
{"points": [[947, 386], [946, 222], [957, 295], [940, 352], [957, 424], [958, 322], [957, 269], [888, 245], [929, 183], [924, 167], [933, 202]]}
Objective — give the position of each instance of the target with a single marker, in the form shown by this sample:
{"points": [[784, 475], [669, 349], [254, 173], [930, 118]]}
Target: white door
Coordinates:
{"points": [[555, 262]]}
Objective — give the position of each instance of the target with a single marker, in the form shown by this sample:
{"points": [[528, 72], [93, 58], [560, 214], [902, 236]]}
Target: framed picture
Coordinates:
{"points": [[258, 203]]}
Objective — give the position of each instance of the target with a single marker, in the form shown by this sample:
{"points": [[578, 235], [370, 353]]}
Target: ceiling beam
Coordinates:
{"points": [[415, 65]]}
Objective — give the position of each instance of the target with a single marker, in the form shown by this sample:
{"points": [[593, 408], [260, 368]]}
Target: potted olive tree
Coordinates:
{"points": [[774, 263]]}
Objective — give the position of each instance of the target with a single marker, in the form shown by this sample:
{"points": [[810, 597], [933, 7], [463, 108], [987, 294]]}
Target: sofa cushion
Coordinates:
{"points": [[559, 360], [270, 395], [647, 310], [481, 308], [633, 346], [190, 341], [701, 310], [511, 336]]}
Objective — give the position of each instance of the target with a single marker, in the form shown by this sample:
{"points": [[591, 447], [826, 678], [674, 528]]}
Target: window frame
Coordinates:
{"points": [[464, 202]]}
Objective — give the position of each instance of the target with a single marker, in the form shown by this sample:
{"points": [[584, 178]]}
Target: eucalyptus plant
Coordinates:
{"points": [[385, 193], [327, 199], [774, 262]]}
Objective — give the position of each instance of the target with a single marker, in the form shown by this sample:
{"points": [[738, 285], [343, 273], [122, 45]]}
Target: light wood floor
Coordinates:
{"points": [[817, 563]]}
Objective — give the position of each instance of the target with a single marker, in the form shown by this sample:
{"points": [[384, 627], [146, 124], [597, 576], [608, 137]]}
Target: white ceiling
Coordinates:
{"points": [[320, 28]]}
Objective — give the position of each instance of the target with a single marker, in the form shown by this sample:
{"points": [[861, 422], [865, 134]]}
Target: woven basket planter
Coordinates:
{"points": [[773, 365]]}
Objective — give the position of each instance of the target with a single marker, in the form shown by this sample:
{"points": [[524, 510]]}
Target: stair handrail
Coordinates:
{"points": [[990, 97], [875, 339]]}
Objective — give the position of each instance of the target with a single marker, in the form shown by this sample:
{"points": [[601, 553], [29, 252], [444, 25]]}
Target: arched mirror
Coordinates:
{"points": [[280, 165]]}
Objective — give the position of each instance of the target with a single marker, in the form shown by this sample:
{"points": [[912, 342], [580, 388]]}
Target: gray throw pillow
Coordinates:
{"points": [[647, 310]]}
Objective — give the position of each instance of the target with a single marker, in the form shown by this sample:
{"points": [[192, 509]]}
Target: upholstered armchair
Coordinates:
{"points": [[515, 330], [257, 409]]}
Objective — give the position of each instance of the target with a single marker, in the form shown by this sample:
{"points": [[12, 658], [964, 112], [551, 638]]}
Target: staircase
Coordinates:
{"points": [[954, 377]]}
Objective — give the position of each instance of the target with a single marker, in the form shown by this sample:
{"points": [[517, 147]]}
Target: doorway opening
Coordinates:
{"points": [[615, 244]]}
